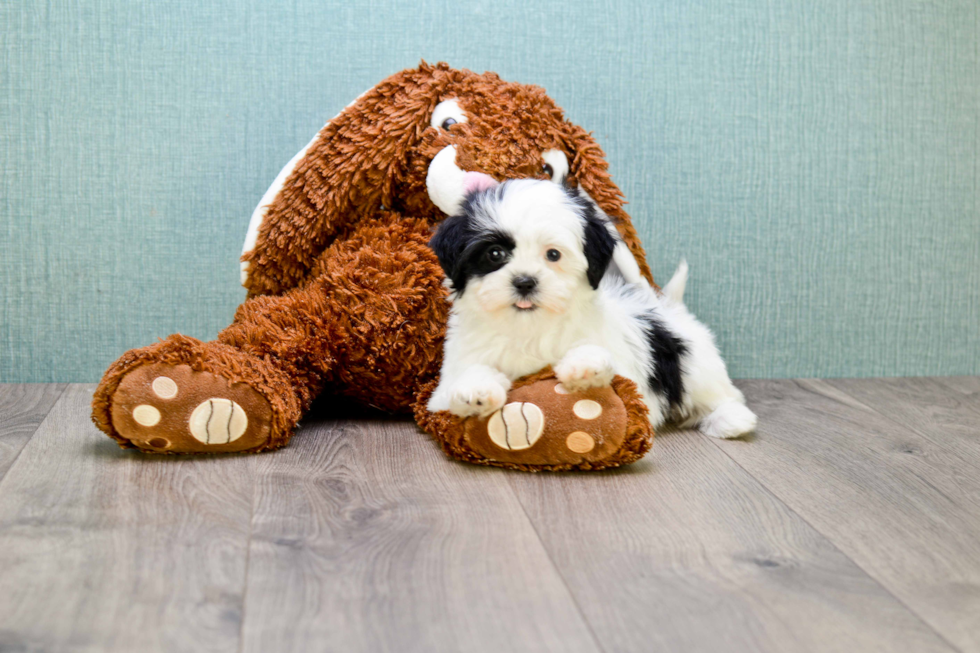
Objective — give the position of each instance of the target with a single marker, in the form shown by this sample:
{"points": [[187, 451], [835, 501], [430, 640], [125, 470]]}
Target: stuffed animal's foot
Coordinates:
{"points": [[545, 426], [185, 396]]}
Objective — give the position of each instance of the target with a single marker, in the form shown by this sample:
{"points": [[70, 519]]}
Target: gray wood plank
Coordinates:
{"points": [[968, 386], [23, 407], [926, 406], [366, 538], [685, 551], [904, 508], [111, 550]]}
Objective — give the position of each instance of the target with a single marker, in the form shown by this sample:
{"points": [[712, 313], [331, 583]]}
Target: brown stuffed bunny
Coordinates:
{"points": [[345, 295]]}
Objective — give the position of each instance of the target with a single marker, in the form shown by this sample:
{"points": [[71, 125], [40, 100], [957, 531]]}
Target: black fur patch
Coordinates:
{"points": [[599, 243], [666, 350], [462, 247]]}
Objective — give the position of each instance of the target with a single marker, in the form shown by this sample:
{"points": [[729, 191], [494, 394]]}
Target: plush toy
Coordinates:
{"points": [[345, 296]]}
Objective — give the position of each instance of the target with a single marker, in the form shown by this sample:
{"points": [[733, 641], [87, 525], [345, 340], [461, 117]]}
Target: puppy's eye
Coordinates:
{"points": [[553, 255], [448, 122], [548, 170], [496, 254]]}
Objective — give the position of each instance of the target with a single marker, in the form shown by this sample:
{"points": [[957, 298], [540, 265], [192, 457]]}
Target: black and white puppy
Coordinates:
{"points": [[540, 277]]}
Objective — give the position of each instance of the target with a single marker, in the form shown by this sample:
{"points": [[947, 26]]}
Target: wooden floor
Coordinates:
{"points": [[850, 522]]}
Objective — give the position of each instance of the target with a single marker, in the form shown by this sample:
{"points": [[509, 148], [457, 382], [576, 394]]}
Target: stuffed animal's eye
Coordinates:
{"points": [[555, 165], [553, 255], [496, 254], [447, 113]]}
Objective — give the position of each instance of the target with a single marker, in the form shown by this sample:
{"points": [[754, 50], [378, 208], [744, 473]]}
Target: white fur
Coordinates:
{"points": [[587, 334]]}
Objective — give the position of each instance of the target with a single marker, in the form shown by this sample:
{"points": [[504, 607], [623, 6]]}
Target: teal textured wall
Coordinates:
{"points": [[816, 162]]}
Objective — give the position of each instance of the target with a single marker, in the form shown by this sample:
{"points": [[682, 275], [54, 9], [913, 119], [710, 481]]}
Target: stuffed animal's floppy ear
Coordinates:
{"points": [[344, 173], [589, 169]]}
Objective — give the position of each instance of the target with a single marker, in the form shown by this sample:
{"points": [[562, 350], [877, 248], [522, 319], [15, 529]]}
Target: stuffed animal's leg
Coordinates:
{"points": [[369, 323]]}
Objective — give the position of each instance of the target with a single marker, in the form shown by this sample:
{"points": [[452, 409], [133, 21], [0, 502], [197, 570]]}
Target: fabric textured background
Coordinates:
{"points": [[816, 162]]}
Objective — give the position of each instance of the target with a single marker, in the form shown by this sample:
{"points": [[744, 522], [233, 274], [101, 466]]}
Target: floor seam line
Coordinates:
{"points": [[935, 442], [37, 428], [248, 556], [554, 566], [834, 545]]}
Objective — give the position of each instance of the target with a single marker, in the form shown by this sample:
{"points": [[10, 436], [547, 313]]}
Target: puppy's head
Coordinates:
{"points": [[523, 246]]}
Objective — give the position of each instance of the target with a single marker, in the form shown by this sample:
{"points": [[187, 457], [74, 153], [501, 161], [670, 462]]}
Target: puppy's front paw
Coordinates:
{"points": [[585, 367], [477, 397]]}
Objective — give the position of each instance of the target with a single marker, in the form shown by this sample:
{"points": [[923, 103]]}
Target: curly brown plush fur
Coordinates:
{"points": [[344, 293]]}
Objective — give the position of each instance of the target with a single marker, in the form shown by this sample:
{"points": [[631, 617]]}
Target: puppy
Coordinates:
{"points": [[529, 267]]}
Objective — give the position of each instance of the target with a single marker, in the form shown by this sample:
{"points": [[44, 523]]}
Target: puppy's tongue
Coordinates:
{"points": [[524, 303], [474, 181]]}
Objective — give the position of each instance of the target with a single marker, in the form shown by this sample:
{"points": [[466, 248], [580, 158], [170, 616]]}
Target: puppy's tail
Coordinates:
{"points": [[674, 290]]}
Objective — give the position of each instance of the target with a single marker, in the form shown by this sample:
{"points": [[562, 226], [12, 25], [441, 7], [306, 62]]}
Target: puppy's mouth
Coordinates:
{"points": [[524, 305]]}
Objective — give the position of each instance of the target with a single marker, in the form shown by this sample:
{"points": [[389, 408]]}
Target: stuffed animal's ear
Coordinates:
{"points": [[347, 171], [588, 169]]}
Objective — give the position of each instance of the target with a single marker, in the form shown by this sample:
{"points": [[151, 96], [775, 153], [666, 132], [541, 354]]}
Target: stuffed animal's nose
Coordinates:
{"points": [[524, 284]]}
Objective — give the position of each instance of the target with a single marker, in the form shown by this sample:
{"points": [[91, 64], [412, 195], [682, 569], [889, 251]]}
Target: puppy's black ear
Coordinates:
{"points": [[599, 247], [449, 241]]}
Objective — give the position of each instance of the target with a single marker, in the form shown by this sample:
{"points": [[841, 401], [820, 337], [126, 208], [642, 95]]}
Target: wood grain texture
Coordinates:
{"points": [[684, 551], [849, 523], [946, 418], [967, 386], [904, 508], [22, 409], [109, 550], [366, 538]]}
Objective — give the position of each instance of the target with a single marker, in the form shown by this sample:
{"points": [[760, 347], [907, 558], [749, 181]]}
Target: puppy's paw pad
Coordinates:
{"points": [[730, 420]]}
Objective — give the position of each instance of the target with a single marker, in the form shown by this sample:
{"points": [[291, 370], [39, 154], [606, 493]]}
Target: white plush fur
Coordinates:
{"points": [[587, 334], [446, 182]]}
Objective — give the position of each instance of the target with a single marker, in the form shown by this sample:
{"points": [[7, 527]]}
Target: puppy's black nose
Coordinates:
{"points": [[525, 285]]}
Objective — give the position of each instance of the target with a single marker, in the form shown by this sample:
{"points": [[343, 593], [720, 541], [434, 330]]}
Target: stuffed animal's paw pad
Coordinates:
{"points": [[516, 426]]}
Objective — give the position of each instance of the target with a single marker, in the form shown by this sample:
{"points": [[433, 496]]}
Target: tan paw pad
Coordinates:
{"points": [[164, 387], [580, 442], [587, 409], [516, 426], [218, 421], [146, 415]]}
